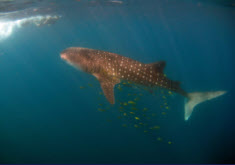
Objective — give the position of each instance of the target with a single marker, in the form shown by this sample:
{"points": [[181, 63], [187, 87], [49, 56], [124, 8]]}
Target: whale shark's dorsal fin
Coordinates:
{"points": [[107, 84], [158, 66]]}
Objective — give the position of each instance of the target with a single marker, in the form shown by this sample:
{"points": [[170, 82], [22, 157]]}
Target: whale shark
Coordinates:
{"points": [[111, 68]]}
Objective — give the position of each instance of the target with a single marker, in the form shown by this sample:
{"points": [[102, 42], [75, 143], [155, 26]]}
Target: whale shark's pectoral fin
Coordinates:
{"points": [[107, 85], [108, 89]]}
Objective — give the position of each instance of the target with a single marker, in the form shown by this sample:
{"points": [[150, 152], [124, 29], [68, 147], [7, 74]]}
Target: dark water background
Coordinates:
{"points": [[45, 116]]}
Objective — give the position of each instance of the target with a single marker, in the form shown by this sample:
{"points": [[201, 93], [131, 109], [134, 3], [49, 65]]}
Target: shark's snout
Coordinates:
{"points": [[63, 56]]}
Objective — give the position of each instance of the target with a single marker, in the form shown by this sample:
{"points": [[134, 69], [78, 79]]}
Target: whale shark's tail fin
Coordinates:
{"points": [[196, 98]]}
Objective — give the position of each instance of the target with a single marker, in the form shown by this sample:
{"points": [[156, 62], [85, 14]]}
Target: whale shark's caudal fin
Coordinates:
{"points": [[196, 98]]}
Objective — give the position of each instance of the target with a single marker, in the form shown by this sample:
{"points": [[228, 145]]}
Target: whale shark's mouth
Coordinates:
{"points": [[65, 58]]}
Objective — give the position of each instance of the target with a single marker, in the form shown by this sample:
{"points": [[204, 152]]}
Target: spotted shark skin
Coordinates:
{"points": [[110, 69]]}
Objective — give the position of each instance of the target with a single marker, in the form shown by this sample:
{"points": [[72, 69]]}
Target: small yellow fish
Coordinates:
{"points": [[124, 114], [131, 102], [137, 118], [164, 97], [136, 126], [81, 87], [167, 107], [169, 142], [101, 110], [159, 139], [90, 85], [137, 99], [134, 108], [145, 109], [163, 113], [170, 93], [145, 131], [125, 104], [132, 112], [119, 88], [156, 127]]}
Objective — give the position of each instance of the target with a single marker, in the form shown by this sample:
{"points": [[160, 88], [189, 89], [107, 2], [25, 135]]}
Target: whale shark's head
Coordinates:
{"points": [[72, 56], [78, 57]]}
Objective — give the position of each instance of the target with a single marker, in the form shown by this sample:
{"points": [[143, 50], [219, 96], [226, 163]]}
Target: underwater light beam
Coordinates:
{"points": [[8, 27]]}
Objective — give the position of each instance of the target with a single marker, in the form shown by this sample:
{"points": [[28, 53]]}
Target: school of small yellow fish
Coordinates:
{"points": [[134, 114]]}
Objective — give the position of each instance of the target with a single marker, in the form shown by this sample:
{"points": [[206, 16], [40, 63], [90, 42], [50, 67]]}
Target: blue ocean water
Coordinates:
{"points": [[49, 111]]}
